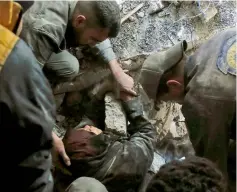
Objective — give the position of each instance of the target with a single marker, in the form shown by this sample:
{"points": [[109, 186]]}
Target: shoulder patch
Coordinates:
{"points": [[226, 61]]}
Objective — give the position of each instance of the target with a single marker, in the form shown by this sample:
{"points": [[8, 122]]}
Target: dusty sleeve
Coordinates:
{"points": [[141, 130], [134, 155], [41, 44], [104, 51], [27, 113]]}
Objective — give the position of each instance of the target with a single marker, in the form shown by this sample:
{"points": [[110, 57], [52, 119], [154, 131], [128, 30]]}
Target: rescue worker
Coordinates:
{"points": [[27, 109], [120, 163], [191, 174], [205, 84], [86, 184], [51, 27]]}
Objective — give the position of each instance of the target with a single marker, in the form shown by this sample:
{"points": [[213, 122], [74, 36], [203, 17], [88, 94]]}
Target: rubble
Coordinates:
{"points": [[115, 117], [60, 118], [138, 39], [209, 14], [141, 14], [131, 18]]}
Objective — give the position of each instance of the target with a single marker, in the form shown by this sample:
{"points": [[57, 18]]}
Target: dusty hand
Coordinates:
{"points": [[126, 83], [59, 150], [126, 96]]}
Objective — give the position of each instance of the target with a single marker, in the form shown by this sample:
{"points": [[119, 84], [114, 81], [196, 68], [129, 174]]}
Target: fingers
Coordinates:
{"points": [[65, 157], [131, 92], [125, 70]]}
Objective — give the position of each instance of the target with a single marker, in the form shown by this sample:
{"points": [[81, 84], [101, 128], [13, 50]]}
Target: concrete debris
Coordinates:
{"points": [[138, 39], [209, 14], [131, 18], [98, 91], [163, 14], [84, 80], [137, 8], [141, 14], [163, 120], [115, 118], [60, 118]]}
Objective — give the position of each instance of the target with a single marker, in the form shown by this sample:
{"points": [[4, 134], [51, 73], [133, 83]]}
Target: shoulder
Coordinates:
{"points": [[22, 60]]}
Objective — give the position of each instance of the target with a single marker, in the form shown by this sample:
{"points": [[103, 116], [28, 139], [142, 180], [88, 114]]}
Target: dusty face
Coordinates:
{"points": [[87, 35], [92, 129], [91, 36]]}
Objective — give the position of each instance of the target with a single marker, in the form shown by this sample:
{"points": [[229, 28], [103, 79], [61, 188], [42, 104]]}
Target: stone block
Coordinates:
{"points": [[115, 117]]}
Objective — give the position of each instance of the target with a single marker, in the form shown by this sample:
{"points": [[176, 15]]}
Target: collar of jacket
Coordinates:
{"points": [[72, 6], [190, 69], [7, 43]]}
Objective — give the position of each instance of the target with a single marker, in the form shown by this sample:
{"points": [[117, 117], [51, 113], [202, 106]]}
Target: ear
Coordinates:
{"points": [[79, 20], [174, 86]]}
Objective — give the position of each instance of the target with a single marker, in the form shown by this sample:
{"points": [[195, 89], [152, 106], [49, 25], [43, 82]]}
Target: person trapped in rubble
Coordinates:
{"points": [[120, 163], [191, 174], [205, 84], [27, 109], [50, 28]]}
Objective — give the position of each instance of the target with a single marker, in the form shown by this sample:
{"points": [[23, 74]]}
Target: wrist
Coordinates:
{"points": [[118, 73], [115, 68], [55, 137]]}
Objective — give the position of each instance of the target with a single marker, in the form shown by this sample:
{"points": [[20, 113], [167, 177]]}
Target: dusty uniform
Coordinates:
{"points": [[44, 29], [26, 118], [27, 110], [210, 102], [124, 162], [209, 105]]}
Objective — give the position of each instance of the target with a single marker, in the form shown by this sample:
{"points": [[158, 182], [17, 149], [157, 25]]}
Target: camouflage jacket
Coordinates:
{"points": [[209, 106], [44, 29]]}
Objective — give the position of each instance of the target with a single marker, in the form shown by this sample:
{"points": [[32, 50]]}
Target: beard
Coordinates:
{"points": [[73, 37]]}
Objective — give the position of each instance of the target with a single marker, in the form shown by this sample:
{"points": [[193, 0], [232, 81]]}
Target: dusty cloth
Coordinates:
{"points": [[121, 160], [61, 67], [209, 106], [86, 184], [27, 113], [44, 28]]}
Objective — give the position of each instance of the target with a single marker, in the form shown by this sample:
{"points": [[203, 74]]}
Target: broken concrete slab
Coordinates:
{"points": [[209, 14], [115, 117], [141, 14]]}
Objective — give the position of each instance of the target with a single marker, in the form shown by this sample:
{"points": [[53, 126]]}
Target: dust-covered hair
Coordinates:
{"points": [[104, 14], [192, 174]]}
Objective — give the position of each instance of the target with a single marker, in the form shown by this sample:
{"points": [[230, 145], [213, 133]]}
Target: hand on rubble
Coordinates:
{"points": [[126, 96], [59, 151], [125, 82]]}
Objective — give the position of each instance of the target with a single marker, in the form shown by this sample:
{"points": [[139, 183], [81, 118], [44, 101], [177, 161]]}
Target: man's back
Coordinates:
{"points": [[209, 104], [45, 25], [26, 118]]}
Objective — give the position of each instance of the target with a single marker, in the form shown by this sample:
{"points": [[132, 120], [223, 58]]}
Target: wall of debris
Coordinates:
{"points": [[148, 30]]}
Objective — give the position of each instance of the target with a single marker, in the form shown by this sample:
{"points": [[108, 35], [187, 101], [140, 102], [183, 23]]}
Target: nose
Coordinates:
{"points": [[91, 43]]}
